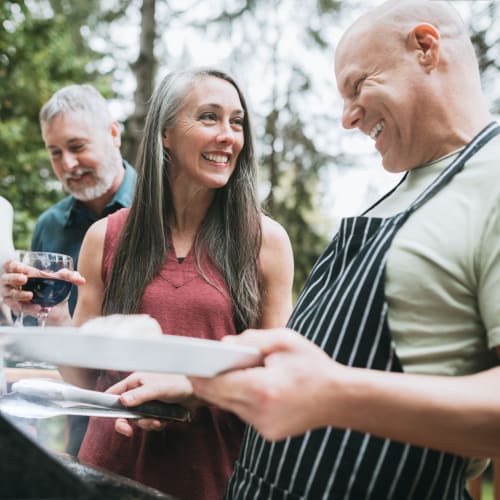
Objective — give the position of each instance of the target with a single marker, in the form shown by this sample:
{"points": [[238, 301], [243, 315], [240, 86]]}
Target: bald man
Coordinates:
{"points": [[387, 381]]}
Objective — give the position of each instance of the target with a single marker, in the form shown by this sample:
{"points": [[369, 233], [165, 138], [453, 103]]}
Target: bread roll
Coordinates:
{"points": [[127, 325]]}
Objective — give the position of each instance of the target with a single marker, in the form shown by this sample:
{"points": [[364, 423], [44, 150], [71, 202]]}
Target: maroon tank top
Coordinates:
{"points": [[193, 460]]}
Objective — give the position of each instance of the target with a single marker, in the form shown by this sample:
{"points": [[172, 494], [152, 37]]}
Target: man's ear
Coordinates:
{"points": [[115, 133], [425, 38]]}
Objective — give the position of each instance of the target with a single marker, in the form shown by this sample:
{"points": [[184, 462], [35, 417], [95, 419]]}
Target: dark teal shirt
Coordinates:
{"points": [[61, 228]]}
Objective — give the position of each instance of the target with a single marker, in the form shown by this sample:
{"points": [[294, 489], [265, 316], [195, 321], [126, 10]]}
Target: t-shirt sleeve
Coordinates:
{"points": [[489, 277]]}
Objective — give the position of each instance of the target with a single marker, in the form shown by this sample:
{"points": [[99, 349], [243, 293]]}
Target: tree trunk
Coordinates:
{"points": [[144, 70]]}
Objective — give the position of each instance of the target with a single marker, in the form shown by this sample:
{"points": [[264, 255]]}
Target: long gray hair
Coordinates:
{"points": [[231, 231]]}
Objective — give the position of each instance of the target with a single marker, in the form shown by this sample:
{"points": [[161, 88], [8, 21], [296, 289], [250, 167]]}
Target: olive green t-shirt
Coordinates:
{"points": [[443, 268]]}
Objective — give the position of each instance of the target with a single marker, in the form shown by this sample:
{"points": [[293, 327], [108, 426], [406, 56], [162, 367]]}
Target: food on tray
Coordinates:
{"points": [[129, 325]]}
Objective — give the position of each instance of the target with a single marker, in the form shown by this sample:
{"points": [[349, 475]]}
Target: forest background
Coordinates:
{"points": [[311, 171]]}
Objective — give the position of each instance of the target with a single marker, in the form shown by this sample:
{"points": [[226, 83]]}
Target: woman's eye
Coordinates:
{"points": [[208, 117], [239, 122]]}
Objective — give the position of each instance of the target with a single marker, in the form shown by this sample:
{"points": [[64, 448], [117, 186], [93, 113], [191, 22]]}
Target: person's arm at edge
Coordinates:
{"points": [[90, 297], [6, 246], [276, 267], [456, 414], [301, 388]]}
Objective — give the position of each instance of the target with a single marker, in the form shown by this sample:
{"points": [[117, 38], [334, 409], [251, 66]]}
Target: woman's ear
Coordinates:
{"points": [[165, 141], [425, 39]]}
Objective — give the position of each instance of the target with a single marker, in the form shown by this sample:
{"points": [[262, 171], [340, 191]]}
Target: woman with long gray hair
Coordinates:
{"points": [[195, 252]]}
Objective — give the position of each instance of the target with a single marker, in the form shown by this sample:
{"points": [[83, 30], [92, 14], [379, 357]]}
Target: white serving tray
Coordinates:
{"points": [[165, 353]]}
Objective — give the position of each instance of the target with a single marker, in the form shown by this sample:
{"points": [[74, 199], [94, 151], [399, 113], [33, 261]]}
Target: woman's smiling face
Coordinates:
{"points": [[207, 137]]}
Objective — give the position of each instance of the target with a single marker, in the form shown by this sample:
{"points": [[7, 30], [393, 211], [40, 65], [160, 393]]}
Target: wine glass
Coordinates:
{"points": [[45, 280]]}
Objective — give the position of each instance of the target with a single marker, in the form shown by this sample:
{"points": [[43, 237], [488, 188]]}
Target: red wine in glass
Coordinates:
{"points": [[47, 292], [44, 279]]}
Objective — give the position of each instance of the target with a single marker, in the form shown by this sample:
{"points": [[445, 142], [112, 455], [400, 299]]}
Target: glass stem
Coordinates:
{"points": [[19, 322], [42, 317]]}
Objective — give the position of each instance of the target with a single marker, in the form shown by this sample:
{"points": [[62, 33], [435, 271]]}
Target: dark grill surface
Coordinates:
{"points": [[28, 471]]}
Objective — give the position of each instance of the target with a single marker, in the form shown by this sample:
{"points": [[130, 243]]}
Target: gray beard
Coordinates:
{"points": [[101, 187]]}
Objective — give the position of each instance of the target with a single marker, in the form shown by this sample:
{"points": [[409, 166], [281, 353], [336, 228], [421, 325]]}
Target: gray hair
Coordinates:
{"points": [[231, 230], [77, 98]]}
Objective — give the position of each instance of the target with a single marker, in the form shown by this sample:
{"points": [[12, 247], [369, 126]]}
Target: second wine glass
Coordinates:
{"points": [[45, 279]]}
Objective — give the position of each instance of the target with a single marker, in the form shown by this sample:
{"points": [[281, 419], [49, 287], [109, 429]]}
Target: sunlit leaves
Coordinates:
{"points": [[37, 56]]}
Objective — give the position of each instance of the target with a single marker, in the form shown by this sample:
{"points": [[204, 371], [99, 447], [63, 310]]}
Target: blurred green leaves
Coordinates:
{"points": [[37, 56]]}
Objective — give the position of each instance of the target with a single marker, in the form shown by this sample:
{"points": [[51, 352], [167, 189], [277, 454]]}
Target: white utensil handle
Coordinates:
{"points": [[72, 393]]}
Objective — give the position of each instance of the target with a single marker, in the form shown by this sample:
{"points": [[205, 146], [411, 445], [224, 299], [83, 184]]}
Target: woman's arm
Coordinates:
{"points": [[276, 266], [90, 297], [141, 387]]}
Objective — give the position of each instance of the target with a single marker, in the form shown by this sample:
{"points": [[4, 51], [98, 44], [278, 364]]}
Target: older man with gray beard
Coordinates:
{"points": [[83, 142]]}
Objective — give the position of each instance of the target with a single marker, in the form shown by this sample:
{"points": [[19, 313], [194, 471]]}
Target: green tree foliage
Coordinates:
{"points": [[291, 158], [44, 44], [37, 56], [293, 163]]}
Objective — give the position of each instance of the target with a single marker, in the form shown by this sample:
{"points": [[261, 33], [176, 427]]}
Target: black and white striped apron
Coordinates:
{"points": [[343, 310]]}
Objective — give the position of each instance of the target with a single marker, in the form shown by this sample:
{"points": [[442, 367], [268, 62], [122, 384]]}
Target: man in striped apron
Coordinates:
{"points": [[392, 384]]}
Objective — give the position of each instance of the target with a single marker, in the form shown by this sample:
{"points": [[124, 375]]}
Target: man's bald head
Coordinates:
{"points": [[404, 13], [409, 78], [395, 19]]}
